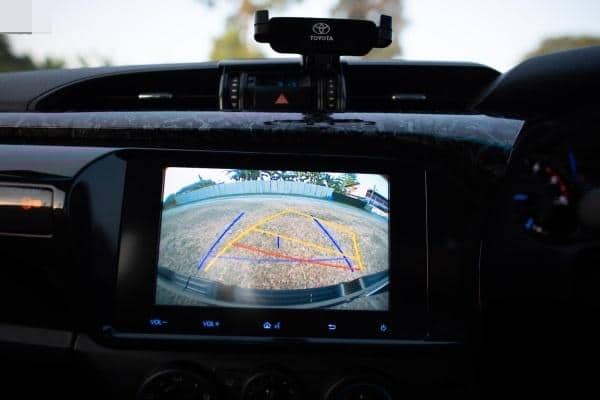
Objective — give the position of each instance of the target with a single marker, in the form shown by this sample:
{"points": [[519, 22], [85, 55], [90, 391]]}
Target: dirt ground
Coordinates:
{"points": [[273, 242]]}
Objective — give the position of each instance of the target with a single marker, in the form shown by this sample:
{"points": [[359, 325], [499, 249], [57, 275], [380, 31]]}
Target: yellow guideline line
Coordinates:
{"points": [[349, 231], [304, 242], [243, 234], [357, 254], [327, 222], [357, 251]]}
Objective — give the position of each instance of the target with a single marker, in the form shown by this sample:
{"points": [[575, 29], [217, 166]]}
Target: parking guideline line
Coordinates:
{"points": [[334, 242], [304, 242], [325, 221], [347, 230], [216, 242], [289, 257], [271, 259], [243, 234], [357, 252]]}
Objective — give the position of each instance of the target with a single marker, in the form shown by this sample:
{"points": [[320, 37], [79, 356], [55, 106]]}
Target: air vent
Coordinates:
{"points": [[415, 87], [170, 90]]}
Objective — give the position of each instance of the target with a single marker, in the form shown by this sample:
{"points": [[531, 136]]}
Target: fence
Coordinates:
{"points": [[255, 187]]}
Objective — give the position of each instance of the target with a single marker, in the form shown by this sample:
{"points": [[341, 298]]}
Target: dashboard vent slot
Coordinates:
{"points": [[415, 87], [173, 90]]}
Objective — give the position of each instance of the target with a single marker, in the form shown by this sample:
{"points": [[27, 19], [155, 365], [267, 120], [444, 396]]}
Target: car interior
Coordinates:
{"points": [[313, 227]]}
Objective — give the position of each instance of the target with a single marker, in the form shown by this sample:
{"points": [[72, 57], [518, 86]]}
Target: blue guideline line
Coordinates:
{"points": [[203, 260], [573, 163], [520, 197], [335, 243]]}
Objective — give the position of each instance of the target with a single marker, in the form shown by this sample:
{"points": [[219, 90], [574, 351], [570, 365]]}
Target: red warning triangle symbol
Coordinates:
{"points": [[282, 99]]}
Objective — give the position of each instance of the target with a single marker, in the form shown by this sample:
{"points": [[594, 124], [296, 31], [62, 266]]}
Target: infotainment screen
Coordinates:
{"points": [[248, 238]]}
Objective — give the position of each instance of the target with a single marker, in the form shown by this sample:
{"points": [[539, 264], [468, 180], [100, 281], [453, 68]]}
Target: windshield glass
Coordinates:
{"points": [[75, 33]]}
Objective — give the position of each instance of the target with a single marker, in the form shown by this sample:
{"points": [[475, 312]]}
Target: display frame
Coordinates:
{"points": [[134, 308]]}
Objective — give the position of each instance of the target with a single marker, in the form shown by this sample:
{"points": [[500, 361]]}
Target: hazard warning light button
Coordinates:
{"points": [[281, 99]]}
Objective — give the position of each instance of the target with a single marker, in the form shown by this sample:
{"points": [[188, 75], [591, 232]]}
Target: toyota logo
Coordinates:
{"points": [[321, 28]]}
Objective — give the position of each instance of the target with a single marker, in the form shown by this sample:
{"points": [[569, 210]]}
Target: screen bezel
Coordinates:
{"points": [[140, 229]]}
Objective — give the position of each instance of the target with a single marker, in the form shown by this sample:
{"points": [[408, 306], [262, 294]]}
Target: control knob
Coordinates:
{"points": [[177, 383]]}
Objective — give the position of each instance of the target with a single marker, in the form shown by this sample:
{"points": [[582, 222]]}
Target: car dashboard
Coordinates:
{"points": [[493, 229]]}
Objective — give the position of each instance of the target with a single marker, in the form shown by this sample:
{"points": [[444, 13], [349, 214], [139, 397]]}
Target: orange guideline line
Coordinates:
{"points": [[287, 256], [357, 256], [243, 234], [304, 242]]}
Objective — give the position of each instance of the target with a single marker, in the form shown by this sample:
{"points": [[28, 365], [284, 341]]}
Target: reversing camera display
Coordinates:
{"points": [[274, 239]]}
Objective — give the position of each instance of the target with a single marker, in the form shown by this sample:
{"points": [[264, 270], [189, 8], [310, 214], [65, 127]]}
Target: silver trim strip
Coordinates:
{"points": [[155, 96], [409, 97], [427, 302], [479, 299], [29, 336], [258, 339]]}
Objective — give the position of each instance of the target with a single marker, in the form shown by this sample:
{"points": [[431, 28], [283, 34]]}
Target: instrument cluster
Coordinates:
{"points": [[557, 194]]}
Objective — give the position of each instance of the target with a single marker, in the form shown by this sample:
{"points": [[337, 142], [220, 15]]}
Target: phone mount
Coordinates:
{"points": [[321, 41], [318, 86]]}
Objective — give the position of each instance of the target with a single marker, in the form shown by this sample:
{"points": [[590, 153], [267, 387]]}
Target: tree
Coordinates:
{"points": [[10, 61], [316, 178], [51, 63], [561, 43], [235, 41], [231, 45], [372, 9], [245, 174], [101, 61], [170, 201], [349, 180], [333, 183], [201, 183], [273, 175], [289, 176]]}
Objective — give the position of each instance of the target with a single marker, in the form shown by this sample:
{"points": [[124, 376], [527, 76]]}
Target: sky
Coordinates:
{"points": [[177, 178], [497, 33]]}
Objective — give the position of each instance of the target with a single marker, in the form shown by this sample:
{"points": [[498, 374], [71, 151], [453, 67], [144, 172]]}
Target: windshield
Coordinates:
{"points": [[75, 33]]}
